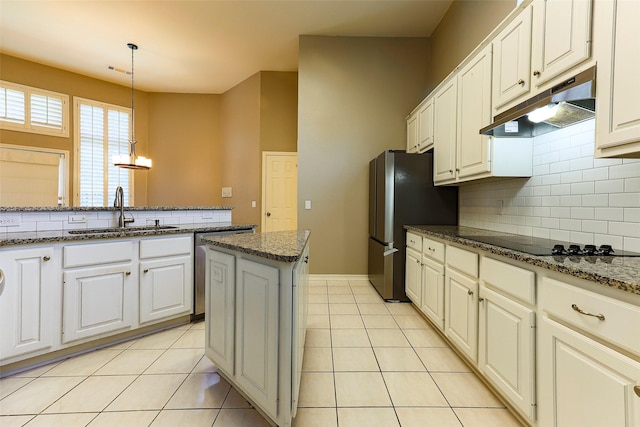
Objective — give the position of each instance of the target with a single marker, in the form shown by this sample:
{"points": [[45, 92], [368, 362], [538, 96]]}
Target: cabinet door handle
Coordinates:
{"points": [[46, 258], [127, 273], [637, 390], [306, 260], [470, 292], [146, 270], [536, 73], [579, 310], [521, 82], [480, 299]]}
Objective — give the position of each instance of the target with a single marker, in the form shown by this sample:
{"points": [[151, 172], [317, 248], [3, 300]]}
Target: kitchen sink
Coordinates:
{"points": [[121, 229]]}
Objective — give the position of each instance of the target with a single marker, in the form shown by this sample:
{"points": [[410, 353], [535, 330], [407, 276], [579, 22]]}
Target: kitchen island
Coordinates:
{"points": [[256, 309]]}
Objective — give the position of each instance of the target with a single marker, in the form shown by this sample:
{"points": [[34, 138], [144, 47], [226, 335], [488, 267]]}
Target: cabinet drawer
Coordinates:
{"points": [[169, 246], [414, 241], [461, 260], [509, 279], [97, 253], [558, 300], [433, 249]]}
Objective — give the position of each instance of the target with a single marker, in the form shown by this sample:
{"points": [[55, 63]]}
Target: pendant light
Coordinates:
{"points": [[131, 160]]}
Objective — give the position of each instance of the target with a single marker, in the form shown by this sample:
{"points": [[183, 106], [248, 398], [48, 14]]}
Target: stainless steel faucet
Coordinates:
{"points": [[118, 202]]}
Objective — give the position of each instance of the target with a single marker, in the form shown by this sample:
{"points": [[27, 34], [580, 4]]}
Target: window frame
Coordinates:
{"points": [[77, 101], [28, 125]]}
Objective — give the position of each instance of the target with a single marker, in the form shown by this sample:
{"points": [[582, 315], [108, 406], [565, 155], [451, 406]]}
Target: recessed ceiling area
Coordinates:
{"points": [[201, 46]]}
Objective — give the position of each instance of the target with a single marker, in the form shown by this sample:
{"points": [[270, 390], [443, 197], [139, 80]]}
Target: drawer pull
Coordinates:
{"points": [[46, 258], [637, 390], [579, 310]]}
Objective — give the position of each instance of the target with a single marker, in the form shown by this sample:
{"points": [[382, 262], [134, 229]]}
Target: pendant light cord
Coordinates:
{"points": [[132, 143]]}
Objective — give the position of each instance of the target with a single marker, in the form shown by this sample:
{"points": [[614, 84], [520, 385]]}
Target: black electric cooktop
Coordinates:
{"points": [[547, 247]]}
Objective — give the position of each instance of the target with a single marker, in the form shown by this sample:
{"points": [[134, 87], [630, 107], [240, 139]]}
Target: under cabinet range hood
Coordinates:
{"points": [[565, 104]]}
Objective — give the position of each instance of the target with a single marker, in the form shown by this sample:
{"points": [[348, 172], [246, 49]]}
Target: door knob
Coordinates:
{"points": [[268, 213]]}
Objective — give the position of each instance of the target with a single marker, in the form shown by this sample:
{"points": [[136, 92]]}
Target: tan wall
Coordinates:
{"points": [[44, 77], [465, 25], [186, 150], [278, 111], [259, 114], [240, 153], [354, 96]]}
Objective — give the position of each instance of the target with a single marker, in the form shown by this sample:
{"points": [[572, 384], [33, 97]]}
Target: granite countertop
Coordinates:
{"points": [[111, 208], [33, 237], [617, 272], [285, 246]]}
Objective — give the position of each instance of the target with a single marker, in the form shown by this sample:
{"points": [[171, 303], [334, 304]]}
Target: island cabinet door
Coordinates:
{"points": [[256, 369], [220, 310]]}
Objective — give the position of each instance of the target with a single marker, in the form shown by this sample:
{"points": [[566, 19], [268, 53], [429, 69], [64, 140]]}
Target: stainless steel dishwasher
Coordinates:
{"points": [[200, 253]]}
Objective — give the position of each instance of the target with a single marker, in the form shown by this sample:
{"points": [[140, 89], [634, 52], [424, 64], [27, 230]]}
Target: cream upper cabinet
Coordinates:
{"points": [[546, 39], [412, 133], [425, 126], [444, 132], [420, 128], [561, 37], [618, 90], [474, 113], [512, 60]]}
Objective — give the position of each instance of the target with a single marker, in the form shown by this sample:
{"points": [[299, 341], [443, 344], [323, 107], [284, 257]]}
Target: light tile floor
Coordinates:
{"points": [[367, 363]]}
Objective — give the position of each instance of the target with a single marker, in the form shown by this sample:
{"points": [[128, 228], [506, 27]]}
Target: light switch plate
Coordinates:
{"points": [[307, 204], [226, 192]]}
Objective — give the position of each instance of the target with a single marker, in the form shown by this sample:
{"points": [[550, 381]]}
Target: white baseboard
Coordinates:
{"points": [[338, 277]]}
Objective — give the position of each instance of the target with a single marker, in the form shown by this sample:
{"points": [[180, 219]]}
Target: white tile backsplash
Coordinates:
{"points": [[49, 221], [571, 196]]}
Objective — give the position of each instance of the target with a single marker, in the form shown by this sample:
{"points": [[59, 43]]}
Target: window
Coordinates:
{"points": [[33, 176], [101, 131], [29, 109]]}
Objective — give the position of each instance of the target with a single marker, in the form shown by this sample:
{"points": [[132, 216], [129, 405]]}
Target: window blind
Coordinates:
{"points": [[102, 132], [28, 109], [30, 177]]}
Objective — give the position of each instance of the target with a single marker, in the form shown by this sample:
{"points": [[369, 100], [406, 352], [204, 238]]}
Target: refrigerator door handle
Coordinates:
{"points": [[390, 251]]}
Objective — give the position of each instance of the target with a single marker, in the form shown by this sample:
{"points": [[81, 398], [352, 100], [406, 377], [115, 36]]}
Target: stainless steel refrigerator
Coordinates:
{"points": [[401, 192]]}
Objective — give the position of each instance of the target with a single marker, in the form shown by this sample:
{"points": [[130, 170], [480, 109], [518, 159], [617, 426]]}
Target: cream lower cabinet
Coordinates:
{"points": [[166, 278], [506, 348], [27, 300], [99, 291], [433, 281], [584, 382], [220, 310], [413, 276], [461, 312], [256, 353], [507, 334], [255, 324]]}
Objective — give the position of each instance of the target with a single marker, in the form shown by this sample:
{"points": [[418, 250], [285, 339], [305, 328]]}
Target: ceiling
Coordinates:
{"points": [[200, 46]]}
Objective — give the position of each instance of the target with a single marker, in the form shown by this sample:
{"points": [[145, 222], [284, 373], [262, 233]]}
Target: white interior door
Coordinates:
{"points": [[279, 191]]}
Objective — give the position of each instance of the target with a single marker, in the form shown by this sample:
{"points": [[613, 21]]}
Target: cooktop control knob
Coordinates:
{"points": [[590, 250], [574, 250], [605, 250], [558, 250]]}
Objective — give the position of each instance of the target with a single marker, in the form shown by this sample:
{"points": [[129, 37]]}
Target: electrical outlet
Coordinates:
{"points": [[500, 207], [226, 192], [253, 204], [10, 221]]}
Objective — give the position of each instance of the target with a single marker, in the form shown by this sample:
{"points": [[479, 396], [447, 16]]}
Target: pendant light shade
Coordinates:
{"points": [[131, 160]]}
